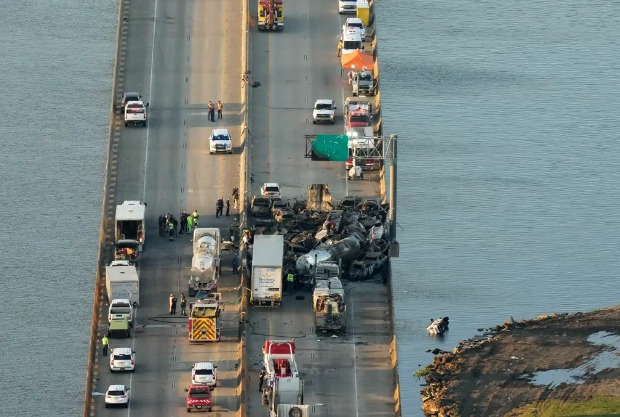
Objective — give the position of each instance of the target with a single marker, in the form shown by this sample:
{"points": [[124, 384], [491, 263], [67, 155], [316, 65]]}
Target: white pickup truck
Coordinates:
{"points": [[135, 113], [354, 23], [324, 111]]}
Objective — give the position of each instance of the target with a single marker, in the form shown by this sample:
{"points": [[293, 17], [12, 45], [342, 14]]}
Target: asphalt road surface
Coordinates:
{"points": [[349, 375], [180, 54]]}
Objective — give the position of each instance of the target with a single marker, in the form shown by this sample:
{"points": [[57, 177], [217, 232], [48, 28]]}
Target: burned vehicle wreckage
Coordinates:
{"points": [[351, 235]]}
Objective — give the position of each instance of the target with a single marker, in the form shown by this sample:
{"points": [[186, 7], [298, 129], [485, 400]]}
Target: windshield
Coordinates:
{"points": [[115, 393], [204, 372], [199, 312], [364, 76], [120, 310], [199, 394], [323, 106], [261, 203], [359, 119], [221, 137], [272, 189], [352, 45], [122, 357]]}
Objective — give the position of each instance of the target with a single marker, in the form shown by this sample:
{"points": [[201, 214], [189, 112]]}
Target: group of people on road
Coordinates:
{"points": [[173, 304], [219, 207], [212, 107], [169, 225]]}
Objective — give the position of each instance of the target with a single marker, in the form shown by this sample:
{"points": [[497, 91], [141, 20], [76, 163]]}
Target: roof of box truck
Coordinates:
{"points": [[130, 210], [122, 273], [268, 250]]}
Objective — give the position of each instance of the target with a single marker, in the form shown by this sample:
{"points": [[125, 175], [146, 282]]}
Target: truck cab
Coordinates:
{"points": [[119, 327], [135, 113], [362, 83], [324, 111], [352, 41], [120, 308], [271, 15], [198, 397], [354, 23]]}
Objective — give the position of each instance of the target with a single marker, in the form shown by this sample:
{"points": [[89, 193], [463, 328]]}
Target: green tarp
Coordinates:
{"points": [[331, 148]]}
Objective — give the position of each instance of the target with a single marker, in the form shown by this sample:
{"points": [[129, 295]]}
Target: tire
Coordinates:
{"points": [[126, 405], [333, 122], [107, 405], [189, 409], [211, 153], [209, 410], [126, 124], [144, 124], [314, 122], [230, 153]]}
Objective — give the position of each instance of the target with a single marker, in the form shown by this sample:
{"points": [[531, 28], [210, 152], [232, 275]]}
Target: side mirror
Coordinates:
{"points": [[186, 390], [127, 389], [335, 107], [147, 104], [215, 366], [133, 351], [362, 50]]}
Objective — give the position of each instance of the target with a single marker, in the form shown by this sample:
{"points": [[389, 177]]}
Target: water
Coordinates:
{"points": [[508, 119], [56, 66]]}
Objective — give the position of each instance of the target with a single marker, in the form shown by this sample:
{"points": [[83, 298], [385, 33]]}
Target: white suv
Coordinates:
{"points": [[119, 308], [271, 190], [324, 111], [204, 373], [117, 396], [122, 359], [354, 23], [347, 6], [220, 141]]}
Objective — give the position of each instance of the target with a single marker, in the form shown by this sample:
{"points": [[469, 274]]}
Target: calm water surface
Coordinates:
{"points": [[56, 79], [508, 115]]}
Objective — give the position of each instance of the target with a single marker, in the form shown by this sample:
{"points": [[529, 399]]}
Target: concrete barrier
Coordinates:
{"points": [[108, 202]]}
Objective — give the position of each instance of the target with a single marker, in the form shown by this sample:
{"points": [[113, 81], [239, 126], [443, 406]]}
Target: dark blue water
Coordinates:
{"points": [[56, 83], [508, 122]]}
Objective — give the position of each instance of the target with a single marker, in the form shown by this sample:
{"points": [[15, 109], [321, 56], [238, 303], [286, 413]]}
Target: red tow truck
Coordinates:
{"points": [[198, 397]]}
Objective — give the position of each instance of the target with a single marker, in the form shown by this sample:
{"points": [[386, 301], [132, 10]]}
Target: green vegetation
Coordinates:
{"points": [[421, 373], [597, 407]]}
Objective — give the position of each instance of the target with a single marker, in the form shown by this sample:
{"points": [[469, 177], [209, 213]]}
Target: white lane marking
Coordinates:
{"points": [[148, 126], [357, 410]]}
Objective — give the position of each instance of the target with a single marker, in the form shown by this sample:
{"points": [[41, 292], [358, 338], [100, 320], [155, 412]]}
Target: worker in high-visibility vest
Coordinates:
{"points": [[290, 281]]}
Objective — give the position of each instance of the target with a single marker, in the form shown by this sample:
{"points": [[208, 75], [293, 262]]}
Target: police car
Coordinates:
{"points": [[122, 359], [204, 373], [117, 396]]}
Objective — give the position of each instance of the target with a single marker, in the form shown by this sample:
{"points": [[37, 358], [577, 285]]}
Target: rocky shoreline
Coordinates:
{"points": [[490, 375]]}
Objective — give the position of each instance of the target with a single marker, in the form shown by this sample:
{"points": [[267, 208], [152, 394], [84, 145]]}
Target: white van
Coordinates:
{"points": [[351, 41], [347, 6]]}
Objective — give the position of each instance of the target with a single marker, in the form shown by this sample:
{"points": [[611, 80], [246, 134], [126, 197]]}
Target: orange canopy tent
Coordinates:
{"points": [[357, 58]]}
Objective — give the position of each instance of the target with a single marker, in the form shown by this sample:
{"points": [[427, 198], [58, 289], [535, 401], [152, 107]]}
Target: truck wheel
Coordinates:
{"points": [[189, 409], [126, 124], [107, 405], [144, 124], [314, 122], [333, 122]]}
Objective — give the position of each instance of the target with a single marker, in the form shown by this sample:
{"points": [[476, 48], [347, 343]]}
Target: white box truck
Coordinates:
{"points": [[267, 258], [130, 227], [122, 281]]}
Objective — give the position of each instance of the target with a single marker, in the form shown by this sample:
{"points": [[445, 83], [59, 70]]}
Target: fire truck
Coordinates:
{"points": [[284, 386], [271, 15], [204, 323]]}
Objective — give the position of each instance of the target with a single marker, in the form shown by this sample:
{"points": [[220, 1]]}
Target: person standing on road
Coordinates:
{"points": [[162, 224], [190, 221], [261, 379], [235, 194], [219, 109], [170, 303], [183, 223], [290, 279], [219, 207], [340, 47], [210, 110], [175, 224], [173, 304], [170, 230], [105, 344], [195, 218], [183, 304], [227, 207]]}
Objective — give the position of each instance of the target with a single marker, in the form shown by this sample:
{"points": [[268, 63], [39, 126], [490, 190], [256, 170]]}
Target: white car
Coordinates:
{"points": [[119, 308], [204, 373], [347, 6], [220, 141], [117, 396], [354, 23], [323, 111], [122, 359], [271, 190]]}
